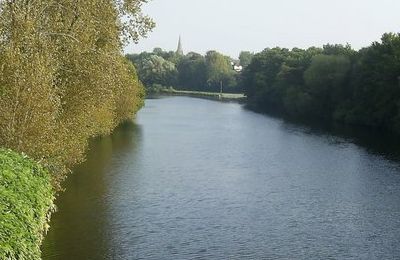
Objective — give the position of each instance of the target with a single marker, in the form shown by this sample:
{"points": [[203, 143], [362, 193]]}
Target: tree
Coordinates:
{"points": [[219, 70], [335, 83], [154, 69], [63, 78], [245, 58], [260, 78], [192, 72], [326, 82], [375, 84]]}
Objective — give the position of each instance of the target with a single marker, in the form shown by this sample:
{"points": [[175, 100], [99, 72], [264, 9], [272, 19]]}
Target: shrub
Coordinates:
{"points": [[26, 199]]}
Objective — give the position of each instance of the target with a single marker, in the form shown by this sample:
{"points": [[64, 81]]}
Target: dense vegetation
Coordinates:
{"points": [[26, 195], [192, 71], [333, 83], [63, 78]]}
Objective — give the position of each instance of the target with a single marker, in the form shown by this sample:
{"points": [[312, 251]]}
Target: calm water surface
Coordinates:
{"points": [[199, 179]]}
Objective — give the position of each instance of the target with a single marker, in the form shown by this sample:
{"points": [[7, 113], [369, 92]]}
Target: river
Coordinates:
{"points": [[201, 179]]}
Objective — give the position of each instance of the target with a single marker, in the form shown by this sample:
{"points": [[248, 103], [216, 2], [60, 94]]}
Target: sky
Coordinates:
{"points": [[231, 26]]}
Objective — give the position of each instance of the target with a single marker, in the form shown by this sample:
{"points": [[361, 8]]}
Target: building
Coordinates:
{"points": [[236, 66], [179, 50]]}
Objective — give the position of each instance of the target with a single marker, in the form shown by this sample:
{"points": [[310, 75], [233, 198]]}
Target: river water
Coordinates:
{"points": [[200, 179]]}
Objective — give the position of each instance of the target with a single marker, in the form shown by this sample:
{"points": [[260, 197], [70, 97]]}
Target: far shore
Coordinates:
{"points": [[214, 95]]}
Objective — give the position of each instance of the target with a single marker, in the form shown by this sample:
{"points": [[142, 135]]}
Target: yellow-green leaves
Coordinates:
{"points": [[133, 23], [63, 78]]}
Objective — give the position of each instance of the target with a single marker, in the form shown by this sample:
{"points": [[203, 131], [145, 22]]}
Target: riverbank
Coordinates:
{"points": [[213, 95], [26, 199]]}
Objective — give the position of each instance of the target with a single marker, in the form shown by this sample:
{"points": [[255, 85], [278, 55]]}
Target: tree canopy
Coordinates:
{"points": [[192, 71], [63, 78], [333, 83]]}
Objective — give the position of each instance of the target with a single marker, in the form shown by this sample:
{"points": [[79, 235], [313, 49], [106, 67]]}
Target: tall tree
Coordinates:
{"points": [[154, 69], [219, 70], [193, 72], [245, 58], [63, 78], [326, 82]]}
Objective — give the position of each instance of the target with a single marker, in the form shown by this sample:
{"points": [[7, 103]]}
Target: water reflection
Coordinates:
{"points": [[375, 141], [199, 179], [81, 228]]}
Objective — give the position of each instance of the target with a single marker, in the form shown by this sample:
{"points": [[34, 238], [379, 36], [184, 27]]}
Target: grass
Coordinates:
{"points": [[26, 199]]}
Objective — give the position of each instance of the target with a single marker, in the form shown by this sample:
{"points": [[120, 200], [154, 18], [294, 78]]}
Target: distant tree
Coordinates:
{"points": [[245, 58], [375, 84], [326, 82], [219, 71], [158, 51], [260, 77], [290, 82], [192, 72], [338, 49], [154, 69]]}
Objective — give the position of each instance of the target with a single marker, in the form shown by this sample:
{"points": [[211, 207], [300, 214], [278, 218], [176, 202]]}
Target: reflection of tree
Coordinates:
{"points": [[373, 141], [83, 216], [126, 138]]}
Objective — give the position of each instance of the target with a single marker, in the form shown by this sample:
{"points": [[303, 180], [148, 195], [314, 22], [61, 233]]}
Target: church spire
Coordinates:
{"points": [[179, 51]]}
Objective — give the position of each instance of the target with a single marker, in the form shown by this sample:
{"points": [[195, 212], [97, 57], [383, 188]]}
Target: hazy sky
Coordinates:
{"points": [[230, 26]]}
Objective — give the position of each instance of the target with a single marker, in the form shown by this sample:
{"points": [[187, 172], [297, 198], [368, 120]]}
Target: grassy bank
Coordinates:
{"points": [[216, 95], [26, 198]]}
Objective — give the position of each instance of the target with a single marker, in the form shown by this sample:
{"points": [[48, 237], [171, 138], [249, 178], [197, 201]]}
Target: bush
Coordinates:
{"points": [[26, 199]]}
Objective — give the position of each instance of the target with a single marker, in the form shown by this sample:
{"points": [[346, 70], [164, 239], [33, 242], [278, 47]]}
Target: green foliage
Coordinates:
{"points": [[219, 70], [154, 69], [193, 72], [261, 76], [157, 89], [245, 58], [63, 80], [63, 77], [189, 72], [26, 199], [325, 80], [332, 83], [133, 24], [375, 86]]}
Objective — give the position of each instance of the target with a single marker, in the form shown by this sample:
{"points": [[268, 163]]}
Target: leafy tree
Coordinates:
{"points": [[326, 81], [154, 69], [245, 58], [260, 77], [332, 83], [290, 81], [193, 72], [63, 78], [219, 71], [338, 49], [375, 84]]}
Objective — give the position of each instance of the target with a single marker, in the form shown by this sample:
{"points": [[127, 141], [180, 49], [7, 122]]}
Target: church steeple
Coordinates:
{"points": [[179, 51]]}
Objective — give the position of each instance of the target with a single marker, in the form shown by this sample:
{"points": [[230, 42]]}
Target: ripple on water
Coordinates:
{"points": [[198, 179]]}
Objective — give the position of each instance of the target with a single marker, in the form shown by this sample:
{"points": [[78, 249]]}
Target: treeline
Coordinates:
{"points": [[193, 71], [333, 83], [63, 77]]}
